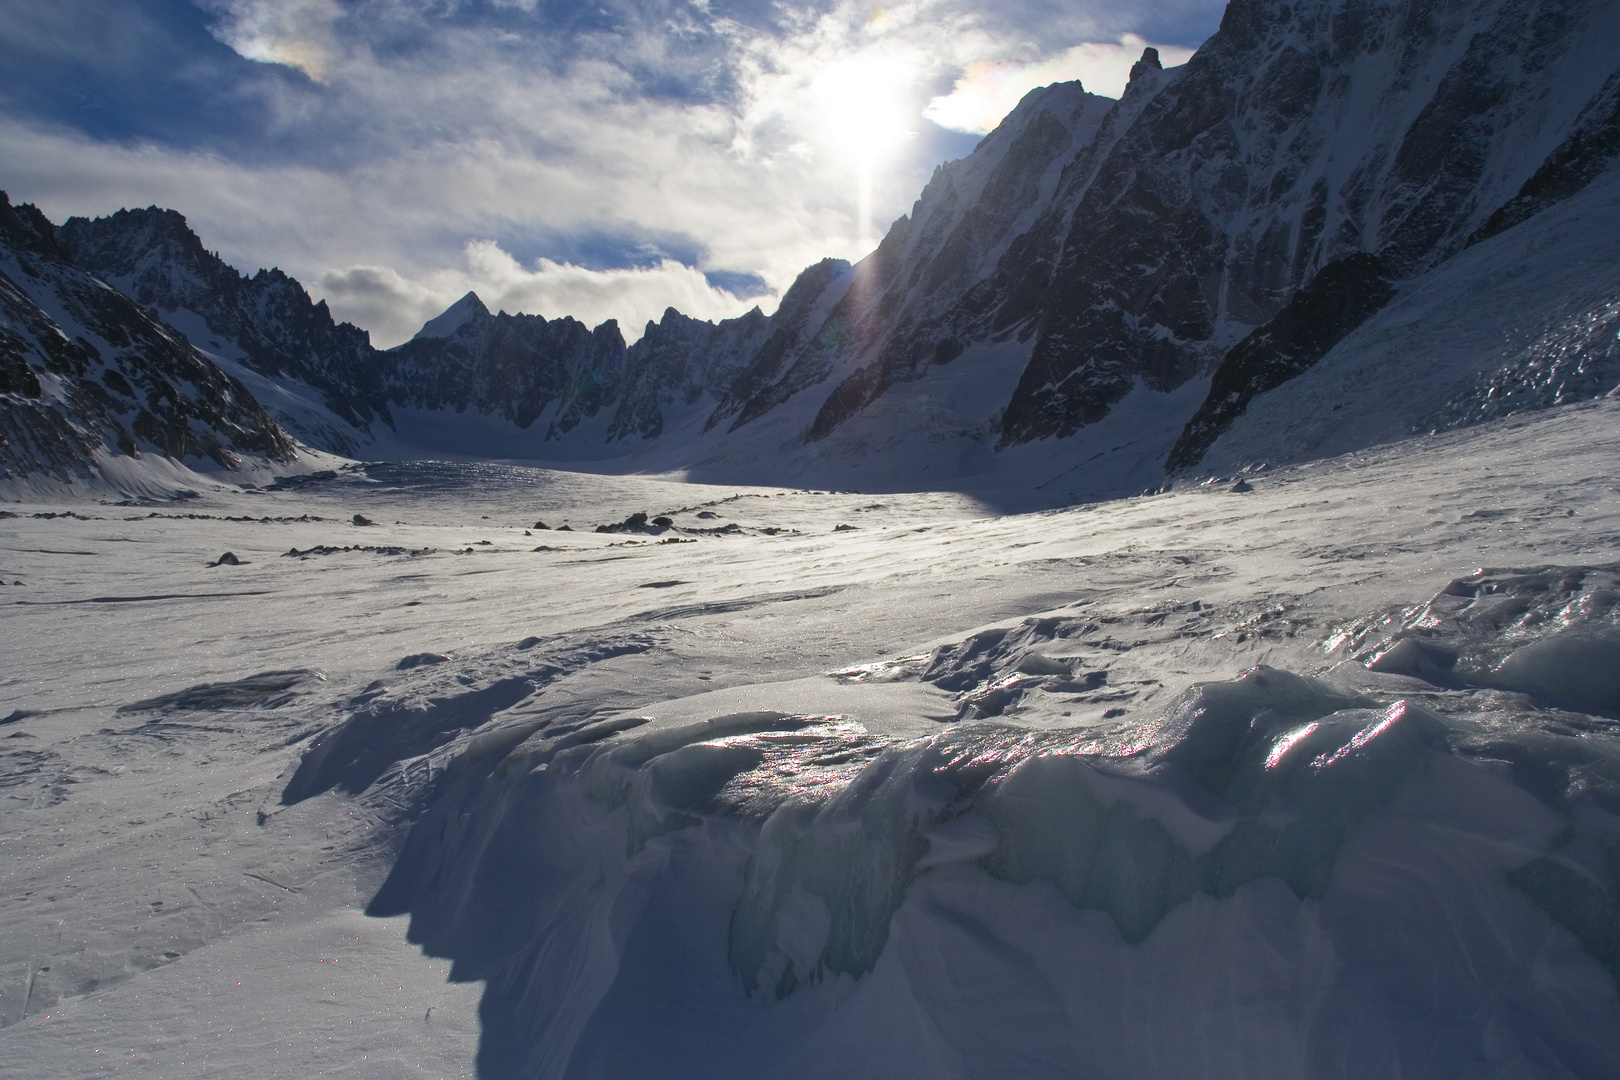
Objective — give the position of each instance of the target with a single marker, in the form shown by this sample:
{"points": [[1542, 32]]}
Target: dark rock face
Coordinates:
{"points": [[102, 376], [911, 307], [1194, 209], [1339, 299], [793, 357], [1590, 150], [514, 366], [1172, 235], [153, 256], [678, 361], [1228, 191]]}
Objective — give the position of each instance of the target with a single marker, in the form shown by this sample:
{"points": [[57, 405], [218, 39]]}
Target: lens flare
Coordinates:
{"points": [[865, 106]]}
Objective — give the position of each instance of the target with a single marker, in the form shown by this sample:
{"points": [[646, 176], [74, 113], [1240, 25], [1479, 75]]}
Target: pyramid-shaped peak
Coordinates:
{"points": [[457, 315]]}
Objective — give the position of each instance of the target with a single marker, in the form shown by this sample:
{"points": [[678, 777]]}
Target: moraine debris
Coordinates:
{"points": [[323, 549]]}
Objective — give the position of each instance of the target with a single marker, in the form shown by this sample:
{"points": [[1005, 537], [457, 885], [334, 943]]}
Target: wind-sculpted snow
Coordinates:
{"points": [[266, 690], [1420, 845], [387, 729], [1552, 633], [1222, 781]]}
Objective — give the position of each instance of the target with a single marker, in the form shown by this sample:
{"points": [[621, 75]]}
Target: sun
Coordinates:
{"points": [[865, 102]]}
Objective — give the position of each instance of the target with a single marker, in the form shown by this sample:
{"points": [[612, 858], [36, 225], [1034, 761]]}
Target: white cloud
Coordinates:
{"points": [[394, 307], [988, 90], [355, 238], [295, 33], [403, 157]]}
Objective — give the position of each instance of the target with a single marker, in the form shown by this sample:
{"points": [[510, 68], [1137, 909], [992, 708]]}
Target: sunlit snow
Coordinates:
{"points": [[1316, 778]]}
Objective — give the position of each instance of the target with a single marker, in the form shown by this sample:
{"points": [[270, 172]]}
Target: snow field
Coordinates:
{"points": [[828, 873]]}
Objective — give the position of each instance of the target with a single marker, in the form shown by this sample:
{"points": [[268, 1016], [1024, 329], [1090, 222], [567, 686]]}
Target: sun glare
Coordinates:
{"points": [[864, 102]]}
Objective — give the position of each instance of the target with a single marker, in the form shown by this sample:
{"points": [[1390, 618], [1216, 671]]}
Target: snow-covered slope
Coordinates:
{"points": [[1093, 263], [1297, 137], [267, 320], [523, 383], [1223, 783], [551, 389], [93, 389], [896, 317], [1525, 320]]}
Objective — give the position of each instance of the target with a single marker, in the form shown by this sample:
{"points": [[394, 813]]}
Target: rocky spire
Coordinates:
{"points": [[1149, 62]]}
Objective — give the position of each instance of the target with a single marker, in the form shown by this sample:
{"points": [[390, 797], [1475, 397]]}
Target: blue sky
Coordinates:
{"points": [[560, 157]]}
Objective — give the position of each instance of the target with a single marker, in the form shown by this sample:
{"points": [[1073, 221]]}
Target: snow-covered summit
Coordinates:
{"points": [[454, 317], [93, 389]]}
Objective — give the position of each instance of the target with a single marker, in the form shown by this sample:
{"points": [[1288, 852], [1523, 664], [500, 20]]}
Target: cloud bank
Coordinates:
{"points": [[597, 160], [378, 296], [989, 89]]}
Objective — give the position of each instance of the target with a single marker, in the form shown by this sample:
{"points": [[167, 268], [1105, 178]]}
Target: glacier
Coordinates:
{"points": [[1158, 615], [1315, 777], [1249, 884]]}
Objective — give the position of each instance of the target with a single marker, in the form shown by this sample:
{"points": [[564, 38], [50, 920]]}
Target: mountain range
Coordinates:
{"points": [[1341, 222], [87, 377]]}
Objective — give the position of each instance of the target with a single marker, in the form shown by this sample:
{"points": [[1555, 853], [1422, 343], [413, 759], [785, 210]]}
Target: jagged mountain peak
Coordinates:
{"points": [[267, 322], [27, 229], [1298, 135], [1087, 251], [87, 375], [131, 236], [1149, 62], [468, 309]]}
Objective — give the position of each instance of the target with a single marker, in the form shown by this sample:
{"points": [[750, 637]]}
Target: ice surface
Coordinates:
{"points": [[1271, 778], [1577, 670], [1265, 784]]}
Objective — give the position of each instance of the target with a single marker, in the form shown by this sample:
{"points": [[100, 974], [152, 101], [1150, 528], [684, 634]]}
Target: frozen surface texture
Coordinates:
{"points": [[1268, 781], [596, 884], [1309, 770]]}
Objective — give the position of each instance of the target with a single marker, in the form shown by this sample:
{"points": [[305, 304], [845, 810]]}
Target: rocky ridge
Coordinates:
{"points": [[87, 375], [267, 320], [1201, 227]]}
